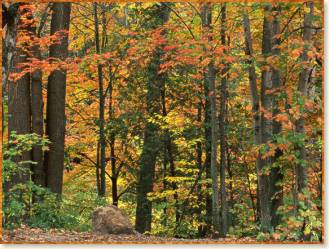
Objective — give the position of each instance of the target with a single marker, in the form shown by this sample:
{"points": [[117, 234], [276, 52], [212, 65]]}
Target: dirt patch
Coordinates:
{"points": [[35, 235]]}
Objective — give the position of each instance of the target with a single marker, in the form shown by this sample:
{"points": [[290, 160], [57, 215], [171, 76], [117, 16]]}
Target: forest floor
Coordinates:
{"points": [[35, 235]]}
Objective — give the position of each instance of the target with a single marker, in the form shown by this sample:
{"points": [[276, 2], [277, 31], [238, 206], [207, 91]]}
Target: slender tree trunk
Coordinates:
{"points": [[200, 168], [304, 79], [165, 185], [55, 127], [253, 90], [39, 174], [276, 176], [102, 190], [98, 180], [151, 146], [266, 126], [222, 131], [209, 80], [114, 174], [230, 219], [207, 162]]}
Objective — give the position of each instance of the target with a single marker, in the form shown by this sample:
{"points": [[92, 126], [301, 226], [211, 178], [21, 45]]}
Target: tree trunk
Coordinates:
{"points": [[151, 146], [222, 131], [98, 180], [114, 174], [19, 108], [276, 176], [200, 168], [207, 162], [209, 80], [102, 189], [39, 175], [253, 91], [266, 126], [10, 18], [55, 127], [304, 78]]}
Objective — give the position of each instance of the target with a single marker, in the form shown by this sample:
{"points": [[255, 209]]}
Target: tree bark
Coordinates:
{"points": [[207, 162], [269, 189], [222, 131], [276, 176], [209, 80], [55, 126], [98, 180], [114, 174], [19, 108], [39, 175], [253, 90], [102, 189], [160, 16], [266, 126], [200, 168], [304, 79], [10, 18]]}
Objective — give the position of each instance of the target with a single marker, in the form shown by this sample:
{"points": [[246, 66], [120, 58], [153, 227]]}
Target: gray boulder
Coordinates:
{"points": [[111, 220]]}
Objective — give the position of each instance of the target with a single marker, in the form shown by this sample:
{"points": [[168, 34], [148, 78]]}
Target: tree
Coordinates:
{"points": [[102, 145], [209, 81], [151, 147], [222, 130], [304, 79], [252, 86], [276, 176], [10, 18], [19, 109], [55, 122], [39, 176], [199, 132]]}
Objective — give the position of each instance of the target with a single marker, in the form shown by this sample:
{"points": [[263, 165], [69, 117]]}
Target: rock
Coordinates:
{"points": [[111, 220]]}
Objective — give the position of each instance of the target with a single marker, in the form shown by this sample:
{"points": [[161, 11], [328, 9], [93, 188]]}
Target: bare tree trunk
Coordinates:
{"points": [[39, 174], [19, 108], [55, 127], [98, 180], [102, 190], [10, 18], [304, 79], [266, 126], [114, 174], [151, 145], [269, 191], [253, 90], [207, 162], [209, 80], [276, 176], [222, 131], [200, 168]]}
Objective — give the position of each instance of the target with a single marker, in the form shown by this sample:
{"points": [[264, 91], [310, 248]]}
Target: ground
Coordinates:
{"points": [[36, 235]]}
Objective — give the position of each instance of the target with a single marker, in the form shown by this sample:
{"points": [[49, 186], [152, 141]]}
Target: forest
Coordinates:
{"points": [[199, 120]]}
